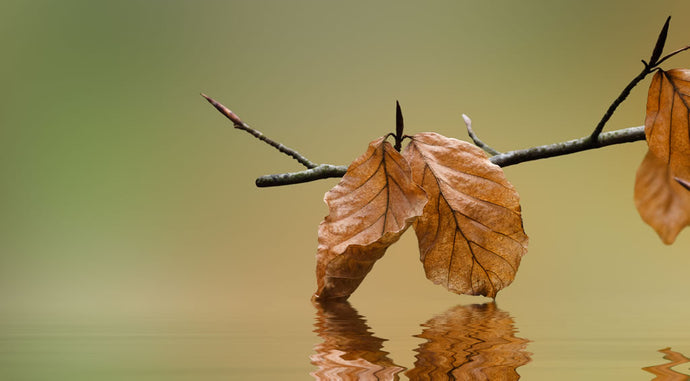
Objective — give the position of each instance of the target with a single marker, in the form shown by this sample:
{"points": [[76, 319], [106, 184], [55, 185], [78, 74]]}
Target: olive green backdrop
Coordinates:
{"points": [[128, 201]]}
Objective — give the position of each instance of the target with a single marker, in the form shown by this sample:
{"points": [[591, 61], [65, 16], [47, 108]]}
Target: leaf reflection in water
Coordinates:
{"points": [[473, 342], [664, 372], [349, 351]]}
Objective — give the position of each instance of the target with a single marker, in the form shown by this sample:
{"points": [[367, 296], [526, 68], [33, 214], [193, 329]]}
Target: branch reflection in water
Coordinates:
{"points": [[473, 342], [349, 351]]}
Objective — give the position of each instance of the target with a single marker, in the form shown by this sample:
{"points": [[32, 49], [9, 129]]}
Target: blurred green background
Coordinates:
{"points": [[127, 199]]}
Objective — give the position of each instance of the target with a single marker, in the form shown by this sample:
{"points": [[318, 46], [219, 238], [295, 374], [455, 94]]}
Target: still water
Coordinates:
{"points": [[463, 342]]}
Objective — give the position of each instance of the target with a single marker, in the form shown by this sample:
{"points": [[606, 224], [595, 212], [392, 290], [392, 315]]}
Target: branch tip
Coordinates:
{"points": [[224, 110], [475, 138], [239, 124]]}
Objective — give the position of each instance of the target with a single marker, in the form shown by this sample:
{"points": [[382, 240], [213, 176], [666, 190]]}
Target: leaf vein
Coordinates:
{"points": [[472, 197]]}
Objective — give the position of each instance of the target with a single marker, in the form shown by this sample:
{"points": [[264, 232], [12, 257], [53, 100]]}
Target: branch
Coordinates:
{"points": [[626, 135], [239, 124], [648, 68], [596, 140], [621, 97], [475, 138], [654, 61], [324, 171]]}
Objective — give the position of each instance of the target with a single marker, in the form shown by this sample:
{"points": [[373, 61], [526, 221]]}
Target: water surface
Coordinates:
{"points": [[464, 342]]}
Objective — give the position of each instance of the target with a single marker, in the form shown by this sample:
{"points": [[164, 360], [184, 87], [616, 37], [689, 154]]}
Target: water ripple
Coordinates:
{"points": [[349, 350], [473, 342]]}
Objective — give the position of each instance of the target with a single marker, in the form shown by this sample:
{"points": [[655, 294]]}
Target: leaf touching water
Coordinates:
{"points": [[660, 197], [374, 203], [471, 238]]}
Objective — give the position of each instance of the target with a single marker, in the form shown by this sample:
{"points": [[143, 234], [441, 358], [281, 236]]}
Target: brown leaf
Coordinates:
{"points": [[685, 184], [470, 236], [660, 198], [374, 203], [475, 342]]}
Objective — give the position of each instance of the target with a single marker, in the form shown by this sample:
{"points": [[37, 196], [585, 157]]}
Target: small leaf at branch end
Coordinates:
{"points": [[223, 110], [399, 126], [471, 237], [660, 195], [374, 203], [660, 43]]}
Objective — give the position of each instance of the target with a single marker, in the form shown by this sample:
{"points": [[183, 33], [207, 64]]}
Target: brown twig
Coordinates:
{"points": [[239, 124], [594, 138], [626, 135], [324, 171]]}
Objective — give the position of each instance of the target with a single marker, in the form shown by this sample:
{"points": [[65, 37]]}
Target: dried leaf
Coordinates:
{"points": [[685, 184], [374, 203], [470, 236], [660, 198], [474, 342]]}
